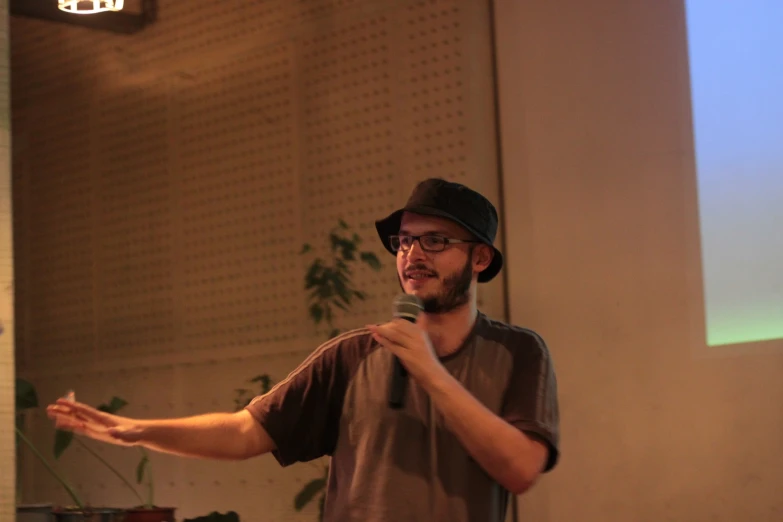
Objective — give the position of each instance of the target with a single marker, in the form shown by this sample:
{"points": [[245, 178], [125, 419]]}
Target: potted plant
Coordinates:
{"points": [[146, 510], [229, 516], [26, 399], [331, 288], [330, 284]]}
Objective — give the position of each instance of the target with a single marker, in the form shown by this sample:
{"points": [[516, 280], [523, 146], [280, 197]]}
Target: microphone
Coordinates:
{"points": [[405, 307]]}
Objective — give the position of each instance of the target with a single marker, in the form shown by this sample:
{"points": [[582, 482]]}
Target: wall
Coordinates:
{"points": [[600, 201], [7, 437], [164, 185]]}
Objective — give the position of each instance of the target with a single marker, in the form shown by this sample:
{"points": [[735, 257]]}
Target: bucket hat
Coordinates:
{"points": [[453, 201]]}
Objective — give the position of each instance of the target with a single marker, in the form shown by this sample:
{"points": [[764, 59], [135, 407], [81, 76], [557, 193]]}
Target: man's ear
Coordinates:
{"points": [[482, 257]]}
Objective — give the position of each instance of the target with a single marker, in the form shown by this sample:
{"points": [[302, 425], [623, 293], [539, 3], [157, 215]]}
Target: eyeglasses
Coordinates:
{"points": [[428, 243]]}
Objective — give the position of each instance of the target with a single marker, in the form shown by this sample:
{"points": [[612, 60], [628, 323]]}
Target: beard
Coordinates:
{"points": [[455, 291]]}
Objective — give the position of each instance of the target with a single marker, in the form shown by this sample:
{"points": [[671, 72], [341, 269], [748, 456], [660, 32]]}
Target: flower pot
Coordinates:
{"points": [[34, 513], [153, 514], [89, 515]]}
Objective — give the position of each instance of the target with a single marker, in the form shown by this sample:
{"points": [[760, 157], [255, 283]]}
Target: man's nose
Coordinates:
{"points": [[415, 251]]}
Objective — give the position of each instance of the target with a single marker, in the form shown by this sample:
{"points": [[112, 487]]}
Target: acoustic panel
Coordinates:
{"points": [[238, 200], [133, 224], [60, 235], [167, 182]]}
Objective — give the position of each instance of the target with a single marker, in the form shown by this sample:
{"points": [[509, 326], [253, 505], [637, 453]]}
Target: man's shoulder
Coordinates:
{"points": [[512, 336], [348, 345], [349, 337]]}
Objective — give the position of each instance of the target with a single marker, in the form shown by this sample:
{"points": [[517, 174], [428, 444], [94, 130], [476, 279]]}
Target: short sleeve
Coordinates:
{"points": [[530, 401], [301, 413]]}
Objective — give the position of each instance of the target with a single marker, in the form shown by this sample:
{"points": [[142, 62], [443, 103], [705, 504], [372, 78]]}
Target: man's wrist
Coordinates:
{"points": [[437, 380]]}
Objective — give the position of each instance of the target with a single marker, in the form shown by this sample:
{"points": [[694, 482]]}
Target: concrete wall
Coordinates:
{"points": [[601, 214]]}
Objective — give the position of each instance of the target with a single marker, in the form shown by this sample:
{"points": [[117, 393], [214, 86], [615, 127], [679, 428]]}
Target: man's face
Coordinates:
{"points": [[442, 280]]}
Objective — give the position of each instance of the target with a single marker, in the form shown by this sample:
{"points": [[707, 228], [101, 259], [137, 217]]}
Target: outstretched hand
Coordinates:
{"points": [[85, 420]]}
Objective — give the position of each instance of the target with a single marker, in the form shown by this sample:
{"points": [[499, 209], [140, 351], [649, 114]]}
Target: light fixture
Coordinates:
{"points": [[89, 6]]}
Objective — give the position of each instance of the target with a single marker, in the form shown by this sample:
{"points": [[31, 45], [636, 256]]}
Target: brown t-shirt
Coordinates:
{"points": [[393, 465]]}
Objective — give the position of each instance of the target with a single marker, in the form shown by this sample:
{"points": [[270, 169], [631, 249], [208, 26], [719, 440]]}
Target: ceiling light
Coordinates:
{"points": [[89, 6]]}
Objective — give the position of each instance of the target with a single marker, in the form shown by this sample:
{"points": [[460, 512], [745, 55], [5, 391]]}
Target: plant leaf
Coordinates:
{"points": [[317, 313], [308, 492], [265, 380], [114, 405], [62, 439], [347, 248], [314, 276], [26, 397], [371, 259]]}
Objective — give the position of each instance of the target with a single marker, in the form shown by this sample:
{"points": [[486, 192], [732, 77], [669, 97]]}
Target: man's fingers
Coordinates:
{"points": [[69, 423], [81, 409], [396, 332], [77, 417]]}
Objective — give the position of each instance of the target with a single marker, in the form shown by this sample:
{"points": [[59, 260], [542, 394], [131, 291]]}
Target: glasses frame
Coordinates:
{"points": [[447, 241]]}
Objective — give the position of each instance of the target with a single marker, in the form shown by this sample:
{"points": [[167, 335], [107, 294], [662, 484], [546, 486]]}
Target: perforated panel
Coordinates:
{"points": [[163, 202], [60, 234], [350, 163], [435, 90], [134, 206], [241, 278]]}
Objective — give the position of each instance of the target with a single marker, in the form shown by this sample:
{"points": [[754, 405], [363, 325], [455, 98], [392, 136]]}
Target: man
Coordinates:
{"points": [[480, 416]]}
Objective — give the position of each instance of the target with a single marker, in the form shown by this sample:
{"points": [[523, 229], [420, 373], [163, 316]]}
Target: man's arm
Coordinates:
{"points": [[512, 458], [224, 436]]}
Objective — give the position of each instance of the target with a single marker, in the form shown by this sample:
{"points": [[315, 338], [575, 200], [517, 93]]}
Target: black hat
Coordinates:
{"points": [[466, 207]]}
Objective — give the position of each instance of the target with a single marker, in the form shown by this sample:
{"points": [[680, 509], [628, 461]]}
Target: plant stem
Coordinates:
{"points": [[19, 494], [54, 473], [150, 485], [111, 468]]}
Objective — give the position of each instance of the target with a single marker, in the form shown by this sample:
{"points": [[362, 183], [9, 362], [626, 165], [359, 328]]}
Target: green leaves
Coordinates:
{"points": [[114, 405], [331, 289], [265, 380], [308, 492], [245, 395], [26, 397], [371, 259], [316, 312], [62, 439], [330, 284]]}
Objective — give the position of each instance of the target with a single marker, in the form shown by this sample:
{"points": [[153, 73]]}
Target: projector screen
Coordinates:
{"points": [[736, 72]]}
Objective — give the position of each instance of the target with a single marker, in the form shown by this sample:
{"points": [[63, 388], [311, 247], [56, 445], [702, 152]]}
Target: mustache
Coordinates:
{"points": [[420, 268]]}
